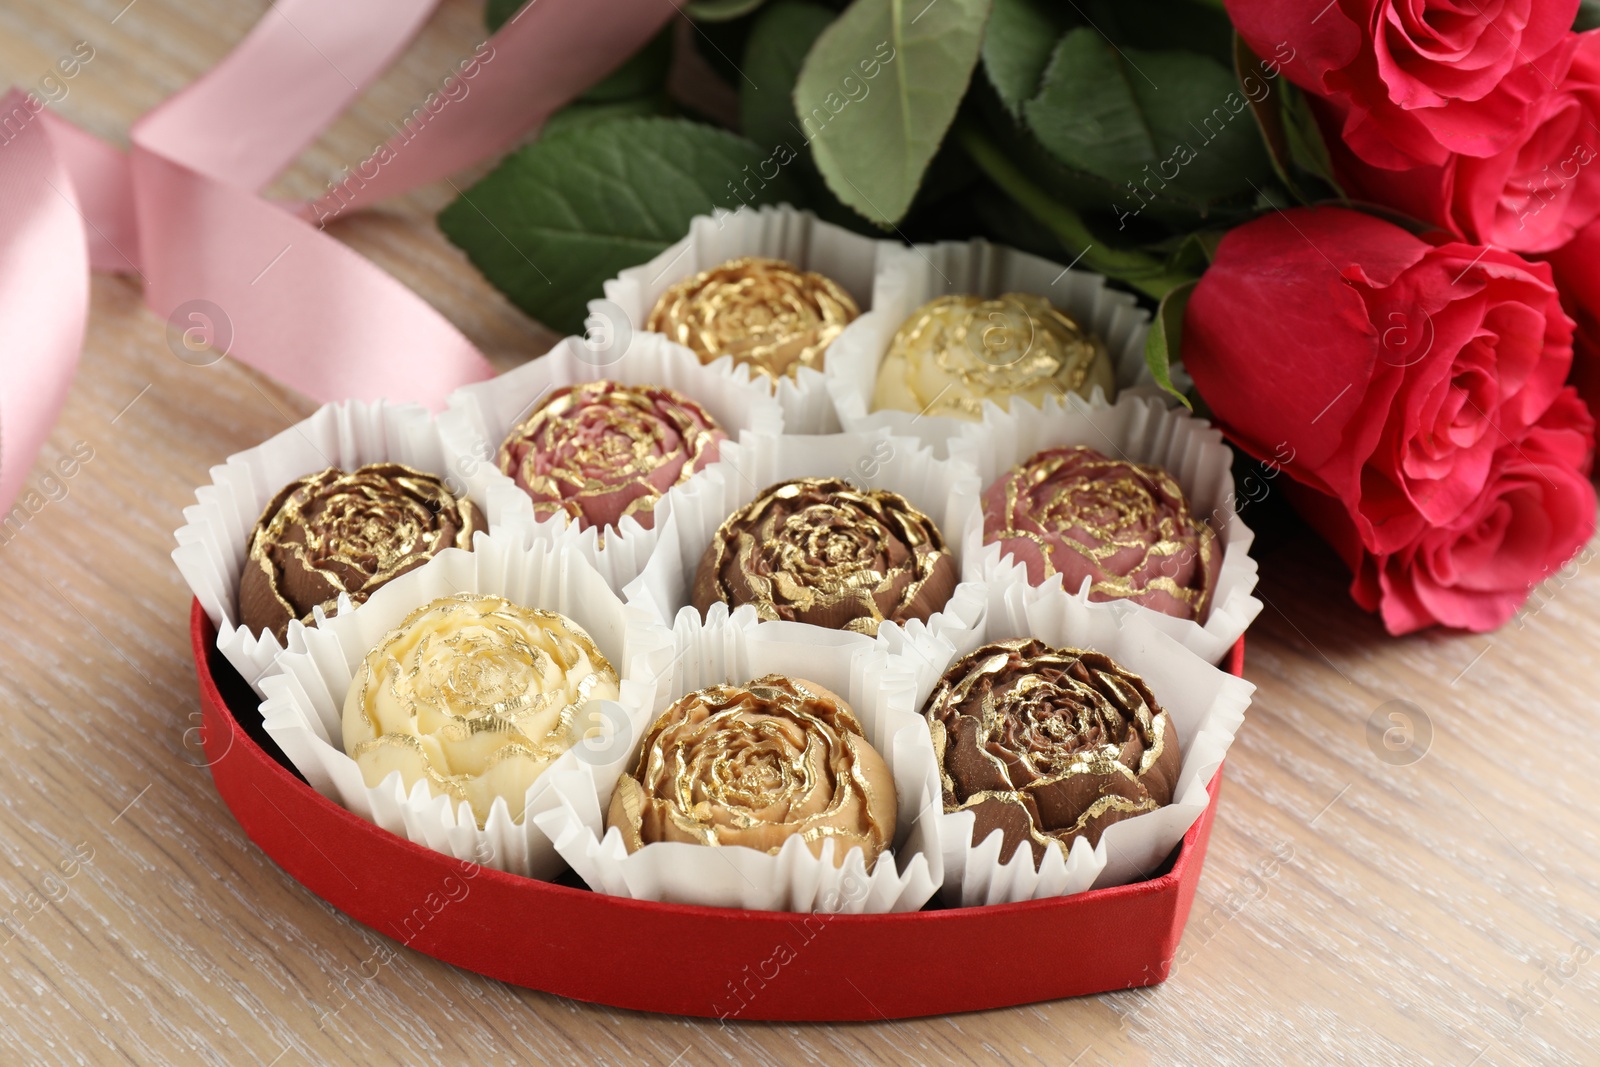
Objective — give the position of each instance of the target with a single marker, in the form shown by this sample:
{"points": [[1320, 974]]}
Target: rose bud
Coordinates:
{"points": [[474, 695], [818, 550], [763, 312], [602, 450], [755, 765], [1400, 382], [1421, 79], [1126, 528], [955, 352], [334, 532], [1047, 745]]}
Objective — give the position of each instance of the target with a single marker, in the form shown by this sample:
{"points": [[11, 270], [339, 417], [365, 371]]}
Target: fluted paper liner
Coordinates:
{"points": [[478, 417], [1206, 705], [1137, 430], [945, 491], [910, 277], [738, 649], [776, 232], [306, 688], [214, 541]]}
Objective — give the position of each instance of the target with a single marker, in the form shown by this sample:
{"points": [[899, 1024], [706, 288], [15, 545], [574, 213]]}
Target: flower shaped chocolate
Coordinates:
{"points": [[1047, 745], [955, 352], [763, 312], [334, 532], [755, 765], [818, 550], [474, 695], [1124, 526], [602, 450]]}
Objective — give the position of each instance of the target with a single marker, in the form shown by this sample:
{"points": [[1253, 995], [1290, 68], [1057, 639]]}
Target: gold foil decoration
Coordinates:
{"points": [[1047, 744], [1125, 526], [820, 551], [754, 765], [336, 532], [603, 450], [763, 312], [475, 695], [955, 352]]}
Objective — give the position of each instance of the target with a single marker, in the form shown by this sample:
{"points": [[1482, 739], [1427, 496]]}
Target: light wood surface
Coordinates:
{"points": [[1352, 910]]}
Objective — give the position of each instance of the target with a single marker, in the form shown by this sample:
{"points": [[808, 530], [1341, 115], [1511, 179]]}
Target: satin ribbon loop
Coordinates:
{"points": [[182, 209]]}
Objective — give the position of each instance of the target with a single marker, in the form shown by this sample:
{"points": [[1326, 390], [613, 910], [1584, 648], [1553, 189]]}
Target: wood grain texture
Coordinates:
{"points": [[1352, 910]]}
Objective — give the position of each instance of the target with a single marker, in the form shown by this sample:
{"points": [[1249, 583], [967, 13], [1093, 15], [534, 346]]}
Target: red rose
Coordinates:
{"points": [[1577, 267], [1391, 367], [1400, 378], [1530, 196], [1535, 512], [1420, 79]]}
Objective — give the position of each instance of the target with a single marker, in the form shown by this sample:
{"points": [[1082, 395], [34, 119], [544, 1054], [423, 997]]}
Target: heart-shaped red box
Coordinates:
{"points": [[683, 959]]}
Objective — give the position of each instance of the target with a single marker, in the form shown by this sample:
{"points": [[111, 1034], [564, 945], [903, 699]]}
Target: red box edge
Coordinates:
{"points": [[1164, 901]]}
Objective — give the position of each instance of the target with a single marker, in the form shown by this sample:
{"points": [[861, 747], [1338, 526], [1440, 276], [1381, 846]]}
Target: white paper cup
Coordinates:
{"points": [[1207, 707], [306, 689], [776, 232], [738, 649], [909, 277], [478, 417], [213, 542], [944, 490], [1138, 430]]}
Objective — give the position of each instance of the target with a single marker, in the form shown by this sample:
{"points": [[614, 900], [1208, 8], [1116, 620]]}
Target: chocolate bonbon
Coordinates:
{"points": [[475, 695], [602, 450], [1125, 527], [957, 351], [755, 765], [766, 313], [1047, 745], [336, 532], [821, 551]]}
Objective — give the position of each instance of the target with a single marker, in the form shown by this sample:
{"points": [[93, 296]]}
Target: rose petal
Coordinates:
{"points": [[1274, 283]]}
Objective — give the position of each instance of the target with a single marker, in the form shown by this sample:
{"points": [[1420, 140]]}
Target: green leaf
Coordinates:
{"points": [[583, 113], [779, 40], [1139, 269], [1164, 343], [879, 89], [1306, 146], [1081, 191], [780, 36], [557, 218], [1192, 252], [1268, 112], [1016, 48], [1293, 140], [1087, 114], [1588, 16], [1164, 122], [720, 10]]}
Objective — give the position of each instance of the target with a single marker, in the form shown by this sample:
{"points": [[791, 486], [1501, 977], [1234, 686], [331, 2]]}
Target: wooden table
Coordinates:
{"points": [[1355, 907]]}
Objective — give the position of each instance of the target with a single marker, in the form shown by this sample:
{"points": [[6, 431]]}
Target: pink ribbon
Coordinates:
{"points": [[260, 279]]}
